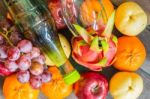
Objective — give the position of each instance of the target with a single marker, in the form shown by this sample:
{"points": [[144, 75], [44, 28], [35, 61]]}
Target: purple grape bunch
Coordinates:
{"points": [[27, 61], [31, 64], [17, 55]]}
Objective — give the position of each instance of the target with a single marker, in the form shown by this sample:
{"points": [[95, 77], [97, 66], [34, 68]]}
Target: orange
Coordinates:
{"points": [[130, 54], [13, 89], [90, 10], [56, 88]]}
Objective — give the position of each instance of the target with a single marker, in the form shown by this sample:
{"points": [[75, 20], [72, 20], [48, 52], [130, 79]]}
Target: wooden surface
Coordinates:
{"points": [[145, 37]]}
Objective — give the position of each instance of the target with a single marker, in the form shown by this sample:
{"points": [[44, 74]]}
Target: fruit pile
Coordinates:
{"points": [[95, 47], [22, 57], [127, 53], [31, 65]]}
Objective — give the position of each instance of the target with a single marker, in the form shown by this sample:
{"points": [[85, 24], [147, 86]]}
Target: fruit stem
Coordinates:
{"points": [[8, 40]]}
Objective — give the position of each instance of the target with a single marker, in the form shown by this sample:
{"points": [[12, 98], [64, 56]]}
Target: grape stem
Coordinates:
{"points": [[2, 61], [8, 40]]}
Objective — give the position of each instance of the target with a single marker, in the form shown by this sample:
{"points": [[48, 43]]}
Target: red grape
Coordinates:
{"points": [[11, 66], [13, 53], [3, 70], [45, 67], [23, 76], [40, 59], [24, 62], [35, 52], [15, 36], [46, 76], [36, 68], [28, 55], [36, 82], [1, 39], [3, 52], [25, 46], [5, 24]]}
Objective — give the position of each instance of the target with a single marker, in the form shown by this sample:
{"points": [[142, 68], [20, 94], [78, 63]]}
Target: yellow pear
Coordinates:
{"points": [[126, 85], [130, 19]]}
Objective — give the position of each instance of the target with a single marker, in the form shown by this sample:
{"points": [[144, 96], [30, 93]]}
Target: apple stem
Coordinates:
{"points": [[95, 90]]}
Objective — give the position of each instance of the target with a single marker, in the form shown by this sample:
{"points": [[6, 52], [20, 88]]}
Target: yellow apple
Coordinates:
{"points": [[130, 19], [126, 85], [66, 47]]}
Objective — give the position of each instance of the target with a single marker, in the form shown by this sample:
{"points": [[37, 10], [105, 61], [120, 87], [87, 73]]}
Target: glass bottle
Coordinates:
{"points": [[34, 20]]}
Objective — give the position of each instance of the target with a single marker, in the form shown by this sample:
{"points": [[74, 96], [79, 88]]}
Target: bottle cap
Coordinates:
{"points": [[72, 77]]}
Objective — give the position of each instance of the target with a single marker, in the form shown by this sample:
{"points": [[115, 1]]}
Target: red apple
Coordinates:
{"points": [[91, 86]]}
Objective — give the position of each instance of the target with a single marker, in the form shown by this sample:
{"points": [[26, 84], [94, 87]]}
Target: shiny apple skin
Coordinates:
{"points": [[91, 86]]}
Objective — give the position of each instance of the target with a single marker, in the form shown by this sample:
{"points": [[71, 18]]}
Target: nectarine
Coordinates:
{"points": [[130, 19]]}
